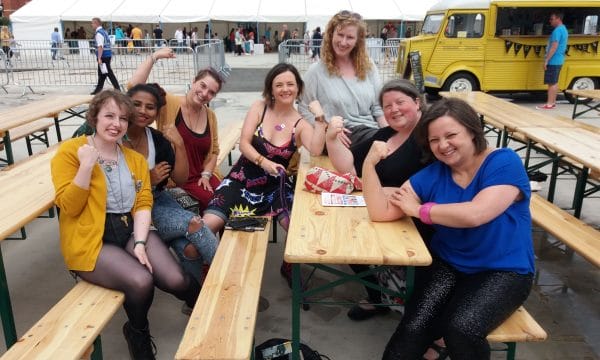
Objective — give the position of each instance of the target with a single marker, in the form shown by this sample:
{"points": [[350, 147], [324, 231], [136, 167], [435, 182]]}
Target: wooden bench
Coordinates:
{"points": [[222, 323], [574, 233], [29, 131], [72, 327], [228, 138], [519, 327], [585, 97]]}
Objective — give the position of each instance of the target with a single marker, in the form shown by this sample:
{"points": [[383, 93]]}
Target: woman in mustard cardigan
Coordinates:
{"points": [[103, 192], [196, 123]]}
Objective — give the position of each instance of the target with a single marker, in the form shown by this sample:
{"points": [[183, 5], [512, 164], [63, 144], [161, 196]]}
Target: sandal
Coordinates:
{"points": [[442, 351]]}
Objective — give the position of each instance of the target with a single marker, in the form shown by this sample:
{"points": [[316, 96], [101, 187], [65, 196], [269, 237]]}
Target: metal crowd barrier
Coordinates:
{"points": [[383, 54], [32, 64]]}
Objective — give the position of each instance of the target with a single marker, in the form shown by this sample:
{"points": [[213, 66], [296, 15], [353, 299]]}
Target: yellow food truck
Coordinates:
{"points": [[499, 45]]}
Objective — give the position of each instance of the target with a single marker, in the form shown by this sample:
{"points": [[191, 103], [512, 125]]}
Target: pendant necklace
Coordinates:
{"points": [[107, 165], [280, 127]]}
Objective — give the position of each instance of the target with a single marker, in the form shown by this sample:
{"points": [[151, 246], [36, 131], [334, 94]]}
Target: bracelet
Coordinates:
{"points": [[259, 160], [425, 213], [320, 118], [138, 242], [206, 174]]}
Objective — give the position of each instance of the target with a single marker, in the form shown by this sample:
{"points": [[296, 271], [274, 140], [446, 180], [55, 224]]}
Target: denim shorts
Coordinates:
{"points": [[551, 74]]}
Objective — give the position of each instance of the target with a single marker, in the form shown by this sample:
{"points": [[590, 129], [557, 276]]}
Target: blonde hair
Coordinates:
{"points": [[359, 55]]}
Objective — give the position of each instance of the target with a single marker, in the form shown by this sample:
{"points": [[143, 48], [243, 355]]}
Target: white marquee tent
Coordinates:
{"points": [[37, 18]]}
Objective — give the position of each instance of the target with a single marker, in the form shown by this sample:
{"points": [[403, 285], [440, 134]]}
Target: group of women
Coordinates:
{"points": [[470, 202]]}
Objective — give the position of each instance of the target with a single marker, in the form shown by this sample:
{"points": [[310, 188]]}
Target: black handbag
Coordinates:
{"points": [[117, 229]]}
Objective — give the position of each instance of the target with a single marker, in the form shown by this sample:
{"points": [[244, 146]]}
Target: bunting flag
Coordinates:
{"points": [[517, 47], [526, 49], [541, 49]]}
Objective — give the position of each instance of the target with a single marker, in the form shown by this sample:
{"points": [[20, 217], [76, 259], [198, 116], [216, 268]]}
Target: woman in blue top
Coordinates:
{"points": [[477, 199]]}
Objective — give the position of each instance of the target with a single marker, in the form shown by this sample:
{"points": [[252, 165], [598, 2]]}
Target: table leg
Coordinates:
{"points": [[579, 191], [57, 125], [575, 108], [8, 148], [296, 299], [504, 135], [553, 176], [8, 320]]}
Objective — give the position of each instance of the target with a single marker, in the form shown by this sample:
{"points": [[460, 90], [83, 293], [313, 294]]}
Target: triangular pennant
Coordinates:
{"points": [[585, 47], [594, 46], [526, 49], [517, 48], [577, 47], [568, 48], [507, 45], [537, 49]]}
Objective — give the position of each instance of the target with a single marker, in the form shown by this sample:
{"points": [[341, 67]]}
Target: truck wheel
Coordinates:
{"points": [[582, 83], [461, 82]]}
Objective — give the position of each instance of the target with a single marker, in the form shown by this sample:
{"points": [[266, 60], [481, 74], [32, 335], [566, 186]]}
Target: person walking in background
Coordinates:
{"points": [[554, 59], [5, 39], [56, 44], [316, 44], [137, 35], [120, 39], [239, 41], [158, 35], [179, 38], [104, 56]]}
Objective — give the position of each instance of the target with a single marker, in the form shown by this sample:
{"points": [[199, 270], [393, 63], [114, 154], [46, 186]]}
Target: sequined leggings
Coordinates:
{"points": [[461, 308]]}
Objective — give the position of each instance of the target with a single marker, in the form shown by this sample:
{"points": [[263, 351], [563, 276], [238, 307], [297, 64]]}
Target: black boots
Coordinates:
{"points": [[139, 342]]}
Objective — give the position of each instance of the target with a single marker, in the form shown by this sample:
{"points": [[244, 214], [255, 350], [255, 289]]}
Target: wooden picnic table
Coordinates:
{"points": [[27, 191], [321, 235], [50, 107], [506, 116], [580, 97], [579, 145]]}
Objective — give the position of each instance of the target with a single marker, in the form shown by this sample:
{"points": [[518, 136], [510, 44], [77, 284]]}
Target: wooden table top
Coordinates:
{"points": [[35, 110], [26, 191], [507, 114], [588, 93], [578, 144], [346, 235]]}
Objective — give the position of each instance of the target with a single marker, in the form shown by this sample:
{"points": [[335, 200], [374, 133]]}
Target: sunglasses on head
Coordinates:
{"points": [[350, 14]]}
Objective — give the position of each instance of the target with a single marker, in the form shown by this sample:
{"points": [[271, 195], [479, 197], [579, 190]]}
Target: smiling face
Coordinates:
{"points": [[145, 107], [450, 141], [203, 90], [400, 110], [344, 40], [111, 122], [285, 88]]}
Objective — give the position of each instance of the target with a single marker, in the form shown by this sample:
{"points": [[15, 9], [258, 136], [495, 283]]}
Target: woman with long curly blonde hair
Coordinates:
{"points": [[345, 80]]}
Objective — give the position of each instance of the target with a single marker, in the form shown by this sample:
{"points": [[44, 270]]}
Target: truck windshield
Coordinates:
{"points": [[432, 23]]}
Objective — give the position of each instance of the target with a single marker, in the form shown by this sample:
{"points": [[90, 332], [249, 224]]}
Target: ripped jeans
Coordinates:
{"points": [[171, 222]]}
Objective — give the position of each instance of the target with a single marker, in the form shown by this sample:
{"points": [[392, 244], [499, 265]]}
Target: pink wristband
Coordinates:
{"points": [[424, 213]]}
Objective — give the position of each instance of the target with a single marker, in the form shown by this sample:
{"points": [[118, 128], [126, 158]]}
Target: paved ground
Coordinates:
{"points": [[37, 276]]}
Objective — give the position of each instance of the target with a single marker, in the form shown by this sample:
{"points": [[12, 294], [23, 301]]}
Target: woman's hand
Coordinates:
{"points": [[140, 253], [88, 155], [378, 151], [160, 172], [271, 167], [163, 53], [336, 129], [407, 200], [204, 183], [315, 108], [171, 133]]}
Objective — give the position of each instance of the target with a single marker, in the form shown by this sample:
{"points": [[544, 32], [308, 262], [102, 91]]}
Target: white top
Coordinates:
{"points": [[99, 38]]}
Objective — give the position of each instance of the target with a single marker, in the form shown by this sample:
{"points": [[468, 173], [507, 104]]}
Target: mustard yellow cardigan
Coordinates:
{"points": [[82, 212]]}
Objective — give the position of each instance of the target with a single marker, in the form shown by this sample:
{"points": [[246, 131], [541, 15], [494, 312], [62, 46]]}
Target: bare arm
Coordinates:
{"points": [[378, 204], [143, 71], [180, 172], [488, 204], [550, 53], [340, 155]]}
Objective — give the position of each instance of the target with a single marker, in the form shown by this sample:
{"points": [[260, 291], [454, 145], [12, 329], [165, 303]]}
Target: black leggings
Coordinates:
{"points": [[461, 308], [118, 269]]}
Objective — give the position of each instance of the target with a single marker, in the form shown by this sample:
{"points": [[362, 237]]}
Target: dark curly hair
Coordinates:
{"points": [[153, 89]]}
